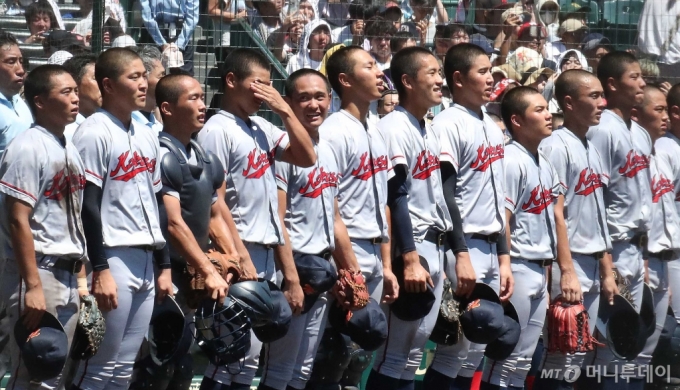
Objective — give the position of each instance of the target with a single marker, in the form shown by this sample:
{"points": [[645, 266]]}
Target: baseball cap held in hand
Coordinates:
{"points": [[43, 350]]}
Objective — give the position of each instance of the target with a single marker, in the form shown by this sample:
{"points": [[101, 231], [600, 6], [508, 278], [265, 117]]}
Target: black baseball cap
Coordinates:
{"points": [[482, 317], [366, 327], [411, 306], [317, 276], [502, 347], [44, 349]]}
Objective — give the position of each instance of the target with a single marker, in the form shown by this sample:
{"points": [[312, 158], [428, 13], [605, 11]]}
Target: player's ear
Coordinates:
{"points": [[458, 79], [39, 101], [406, 81], [515, 120], [568, 103], [345, 80], [674, 112], [230, 80], [164, 108], [107, 83]]}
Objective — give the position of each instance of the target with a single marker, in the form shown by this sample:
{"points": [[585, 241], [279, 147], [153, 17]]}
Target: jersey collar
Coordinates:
{"points": [[673, 137], [472, 113], [117, 122], [521, 147], [50, 135]]}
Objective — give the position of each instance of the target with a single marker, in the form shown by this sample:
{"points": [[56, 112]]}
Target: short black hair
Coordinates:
{"points": [[399, 40], [568, 83], [38, 8], [379, 27], [515, 103], [241, 63], [7, 38], [647, 89], [112, 63], [405, 62], [673, 98], [38, 82], [289, 86], [77, 65], [614, 65], [447, 31], [340, 62], [169, 88], [424, 3], [460, 58], [358, 10]]}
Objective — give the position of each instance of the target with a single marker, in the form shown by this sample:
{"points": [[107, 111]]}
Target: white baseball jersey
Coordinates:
{"points": [[38, 169], [582, 177], [247, 152], [311, 196], [475, 147], [625, 158], [664, 232], [122, 161], [668, 148], [361, 155], [414, 144], [531, 188]]}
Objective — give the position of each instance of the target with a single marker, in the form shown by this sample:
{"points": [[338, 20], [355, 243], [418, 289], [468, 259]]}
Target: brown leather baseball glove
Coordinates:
{"points": [[195, 289], [350, 289], [568, 330]]}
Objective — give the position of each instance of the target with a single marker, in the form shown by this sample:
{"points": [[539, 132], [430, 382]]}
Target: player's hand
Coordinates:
{"points": [[164, 286], [270, 95], [217, 287], [608, 287], [507, 281], [105, 290], [390, 287], [295, 296], [465, 275], [248, 268], [570, 286], [416, 278], [34, 306]]}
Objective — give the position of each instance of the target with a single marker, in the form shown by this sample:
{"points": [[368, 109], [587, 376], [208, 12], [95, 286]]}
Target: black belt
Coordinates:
{"points": [[326, 255], [665, 255], [490, 238], [542, 263], [265, 246], [435, 236], [147, 248], [69, 265], [640, 240], [596, 255], [374, 240]]}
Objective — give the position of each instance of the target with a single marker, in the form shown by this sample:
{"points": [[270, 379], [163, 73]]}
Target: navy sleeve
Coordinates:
{"points": [[502, 244], [397, 199], [456, 237], [92, 223]]}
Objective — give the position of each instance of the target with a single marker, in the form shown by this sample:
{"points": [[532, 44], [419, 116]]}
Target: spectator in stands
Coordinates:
{"points": [[572, 59], [59, 57], [63, 40], [379, 33], [548, 16], [171, 21], [336, 13], [284, 42], [402, 39], [505, 71], [353, 32], [306, 9], [388, 102], [223, 13], [40, 20], [149, 116], [315, 38], [571, 33], [58, 22], [650, 70], [81, 68], [426, 15], [113, 10], [659, 35], [595, 46], [446, 36], [267, 17], [393, 13], [15, 116]]}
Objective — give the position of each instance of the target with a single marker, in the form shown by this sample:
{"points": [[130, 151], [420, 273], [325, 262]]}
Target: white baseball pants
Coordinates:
{"points": [[674, 284]]}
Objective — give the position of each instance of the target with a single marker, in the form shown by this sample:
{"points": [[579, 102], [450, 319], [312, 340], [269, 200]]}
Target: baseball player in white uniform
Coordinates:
{"points": [[361, 155], [120, 216], [41, 190], [625, 148], [668, 148], [531, 189], [664, 232], [583, 268], [473, 146], [247, 147], [307, 199], [417, 208]]}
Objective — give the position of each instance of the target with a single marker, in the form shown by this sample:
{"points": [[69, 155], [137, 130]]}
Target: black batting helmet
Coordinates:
{"points": [[169, 336], [256, 299]]}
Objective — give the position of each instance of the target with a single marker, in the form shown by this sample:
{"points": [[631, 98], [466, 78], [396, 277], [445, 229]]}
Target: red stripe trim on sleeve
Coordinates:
{"points": [[450, 155], [605, 175], [19, 190], [156, 182], [397, 156], [94, 174], [276, 144], [510, 201], [282, 179]]}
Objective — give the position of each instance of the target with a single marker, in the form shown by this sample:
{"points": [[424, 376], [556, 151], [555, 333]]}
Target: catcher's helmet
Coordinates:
{"points": [[255, 298], [169, 336], [622, 327], [280, 322], [223, 332], [317, 276], [411, 306]]}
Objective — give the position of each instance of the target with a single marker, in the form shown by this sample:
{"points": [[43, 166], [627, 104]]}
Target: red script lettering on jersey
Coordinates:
{"points": [[364, 171], [634, 164], [425, 165], [538, 200], [317, 181], [132, 167], [588, 182], [63, 183], [486, 156], [258, 163], [660, 187]]}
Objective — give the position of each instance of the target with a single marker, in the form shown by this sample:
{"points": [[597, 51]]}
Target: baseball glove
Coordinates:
{"points": [[450, 307], [623, 286], [568, 330], [351, 288], [195, 290], [90, 329]]}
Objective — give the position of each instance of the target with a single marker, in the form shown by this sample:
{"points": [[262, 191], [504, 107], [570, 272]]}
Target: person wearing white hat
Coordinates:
{"points": [[59, 57], [124, 41], [571, 33]]}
